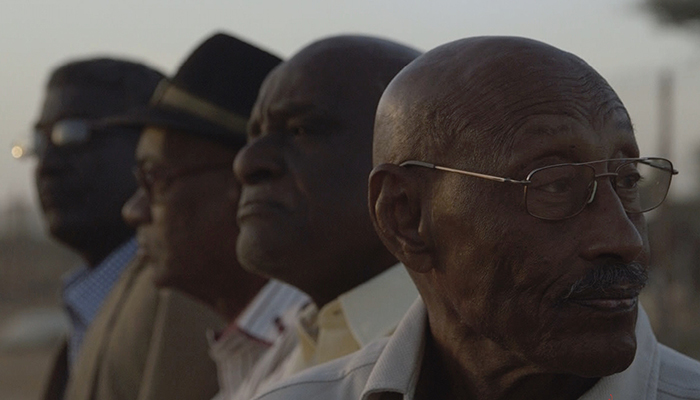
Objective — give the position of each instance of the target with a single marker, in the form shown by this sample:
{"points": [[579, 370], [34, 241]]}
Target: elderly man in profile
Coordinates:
{"points": [[303, 214], [508, 181], [185, 208]]}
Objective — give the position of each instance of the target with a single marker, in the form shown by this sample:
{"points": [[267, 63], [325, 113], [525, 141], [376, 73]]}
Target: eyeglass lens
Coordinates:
{"points": [[563, 191], [63, 133], [155, 181]]}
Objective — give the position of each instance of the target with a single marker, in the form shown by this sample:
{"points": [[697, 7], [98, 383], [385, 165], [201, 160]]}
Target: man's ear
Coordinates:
{"points": [[396, 209]]}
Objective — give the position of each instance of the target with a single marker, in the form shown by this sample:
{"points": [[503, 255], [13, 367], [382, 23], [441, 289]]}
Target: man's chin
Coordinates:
{"points": [[75, 233], [595, 357], [159, 274], [164, 278]]}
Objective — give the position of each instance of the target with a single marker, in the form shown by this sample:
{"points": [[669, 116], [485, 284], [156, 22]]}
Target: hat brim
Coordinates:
{"points": [[178, 121]]}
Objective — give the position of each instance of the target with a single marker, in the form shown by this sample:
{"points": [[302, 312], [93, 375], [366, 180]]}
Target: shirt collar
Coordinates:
{"points": [[406, 345], [261, 319], [398, 367], [374, 308], [85, 289], [359, 316]]}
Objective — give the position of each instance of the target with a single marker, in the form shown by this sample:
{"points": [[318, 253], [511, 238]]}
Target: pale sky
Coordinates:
{"points": [[615, 36]]}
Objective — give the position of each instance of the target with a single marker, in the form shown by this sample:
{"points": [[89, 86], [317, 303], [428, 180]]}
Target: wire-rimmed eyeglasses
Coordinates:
{"points": [[156, 181], [562, 191]]}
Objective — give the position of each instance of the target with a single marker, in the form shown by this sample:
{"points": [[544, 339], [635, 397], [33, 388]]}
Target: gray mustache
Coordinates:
{"points": [[608, 275]]}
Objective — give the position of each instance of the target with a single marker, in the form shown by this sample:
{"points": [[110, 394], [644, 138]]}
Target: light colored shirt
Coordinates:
{"points": [[85, 289], [388, 369], [239, 347], [368, 312]]}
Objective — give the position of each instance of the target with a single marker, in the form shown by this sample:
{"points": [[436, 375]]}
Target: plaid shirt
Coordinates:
{"points": [[85, 289]]}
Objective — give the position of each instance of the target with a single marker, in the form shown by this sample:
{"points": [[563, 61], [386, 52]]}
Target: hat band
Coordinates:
{"points": [[172, 96]]}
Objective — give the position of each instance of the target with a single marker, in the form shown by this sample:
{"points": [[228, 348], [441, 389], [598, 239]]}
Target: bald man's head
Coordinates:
{"points": [[545, 195], [308, 156], [485, 88], [352, 70]]}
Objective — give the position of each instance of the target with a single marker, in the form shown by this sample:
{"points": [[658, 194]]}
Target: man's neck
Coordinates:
{"points": [[350, 272], [96, 254], [480, 369], [229, 300]]}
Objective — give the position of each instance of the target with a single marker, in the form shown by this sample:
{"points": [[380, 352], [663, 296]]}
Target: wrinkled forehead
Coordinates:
{"points": [[327, 80], [540, 95], [477, 99], [563, 138], [72, 101], [513, 85], [151, 146], [571, 112]]}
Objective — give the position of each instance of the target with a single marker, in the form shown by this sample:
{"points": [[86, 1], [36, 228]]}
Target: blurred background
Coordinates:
{"points": [[649, 50]]}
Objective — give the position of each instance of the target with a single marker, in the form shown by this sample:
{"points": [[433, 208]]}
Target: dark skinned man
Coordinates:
{"points": [[83, 178], [508, 180], [186, 203], [303, 215]]}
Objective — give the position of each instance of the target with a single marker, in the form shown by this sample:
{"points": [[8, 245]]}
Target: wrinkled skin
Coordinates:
{"points": [[82, 188], [187, 230], [495, 280], [303, 212]]}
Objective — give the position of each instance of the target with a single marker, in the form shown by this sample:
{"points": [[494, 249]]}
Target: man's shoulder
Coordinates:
{"points": [[340, 379], [143, 336], [679, 375]]}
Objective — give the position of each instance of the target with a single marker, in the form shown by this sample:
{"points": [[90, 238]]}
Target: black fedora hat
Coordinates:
{"points": [[212, 93]]}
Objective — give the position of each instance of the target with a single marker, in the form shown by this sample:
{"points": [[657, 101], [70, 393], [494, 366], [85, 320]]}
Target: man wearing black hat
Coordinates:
{"points": [[83, 178], [185, 214]]}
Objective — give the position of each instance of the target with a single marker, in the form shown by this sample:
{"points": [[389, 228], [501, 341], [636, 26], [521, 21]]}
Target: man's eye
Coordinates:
{"points": [[558, 186], [628, 181], [299, 131]]}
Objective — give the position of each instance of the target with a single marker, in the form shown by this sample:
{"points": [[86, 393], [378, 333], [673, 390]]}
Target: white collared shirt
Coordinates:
{"points": [[389, 369], [240, 346], [368, 312]]}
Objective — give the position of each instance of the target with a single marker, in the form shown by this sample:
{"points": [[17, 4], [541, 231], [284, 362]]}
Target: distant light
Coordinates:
{"points": [[17, 151]]}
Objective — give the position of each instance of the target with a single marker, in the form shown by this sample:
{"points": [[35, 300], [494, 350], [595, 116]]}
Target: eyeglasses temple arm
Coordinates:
{"points": [[459, 171]]}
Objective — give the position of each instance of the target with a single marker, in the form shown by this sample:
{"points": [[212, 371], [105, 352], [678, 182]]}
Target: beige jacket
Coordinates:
{"points": [[146, 344]]}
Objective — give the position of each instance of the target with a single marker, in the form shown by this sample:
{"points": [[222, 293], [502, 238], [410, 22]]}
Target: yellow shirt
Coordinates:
{"points": [[357, 317]]}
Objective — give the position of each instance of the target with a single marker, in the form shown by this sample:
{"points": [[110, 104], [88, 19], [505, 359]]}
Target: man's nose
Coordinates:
{"points": [[137, 210], [259, 160], [612, 232]]}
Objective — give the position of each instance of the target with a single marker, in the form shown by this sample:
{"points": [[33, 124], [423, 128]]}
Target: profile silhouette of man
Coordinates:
{"points": [[303, 209], [83, 178], [184, 211]]}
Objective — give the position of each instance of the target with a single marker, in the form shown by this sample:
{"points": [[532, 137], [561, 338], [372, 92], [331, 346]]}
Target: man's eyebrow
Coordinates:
{"points": [[548, 130], [147, 160], [288, 108], [297, 109]]}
